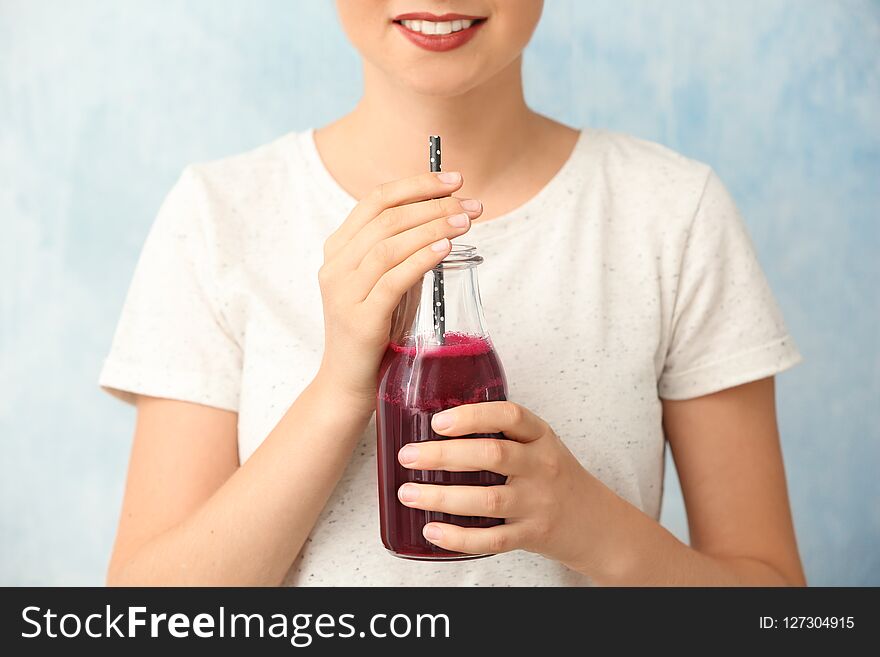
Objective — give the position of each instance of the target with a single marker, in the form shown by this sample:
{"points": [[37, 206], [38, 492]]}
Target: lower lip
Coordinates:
{"points": [[441, 42]]}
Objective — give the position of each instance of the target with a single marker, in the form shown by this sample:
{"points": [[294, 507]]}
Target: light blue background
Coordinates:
{"points": [[102, 103]]}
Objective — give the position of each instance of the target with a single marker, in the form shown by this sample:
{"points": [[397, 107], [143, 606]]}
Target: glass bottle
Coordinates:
{"points": [[439, 356]]}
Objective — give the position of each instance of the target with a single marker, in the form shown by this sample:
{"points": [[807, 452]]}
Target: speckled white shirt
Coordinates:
{"points": [[628, 278]]}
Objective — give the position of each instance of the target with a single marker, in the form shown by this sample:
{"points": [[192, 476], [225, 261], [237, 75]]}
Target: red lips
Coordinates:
{"points": [[439, 42]]}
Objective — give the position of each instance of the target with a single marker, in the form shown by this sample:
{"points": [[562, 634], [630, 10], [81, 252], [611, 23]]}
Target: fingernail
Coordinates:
{"points": [[408, 493], [459, 220], [442, 420], [408, 454], [471, 204], [440, 245], [449, 177], [432, 533]]}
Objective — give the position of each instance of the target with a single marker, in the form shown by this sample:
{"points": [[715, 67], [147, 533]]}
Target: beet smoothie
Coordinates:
{"points": [[417, 381]]}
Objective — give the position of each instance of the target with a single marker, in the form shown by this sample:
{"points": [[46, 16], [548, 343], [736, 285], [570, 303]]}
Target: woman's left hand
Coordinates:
{"points": [[549, 502]]}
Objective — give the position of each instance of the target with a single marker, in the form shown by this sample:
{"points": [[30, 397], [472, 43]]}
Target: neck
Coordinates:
{"points": [[391, 123]]}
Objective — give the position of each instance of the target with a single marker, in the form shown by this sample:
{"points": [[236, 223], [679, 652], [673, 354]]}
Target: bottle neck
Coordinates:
{"points": [[420, 321]]}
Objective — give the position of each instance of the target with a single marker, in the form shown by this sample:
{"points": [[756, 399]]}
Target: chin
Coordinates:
{"points": [[445, 82]]}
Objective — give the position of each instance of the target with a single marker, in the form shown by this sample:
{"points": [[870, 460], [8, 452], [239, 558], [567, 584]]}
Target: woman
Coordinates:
{"points": [[622, 294]]}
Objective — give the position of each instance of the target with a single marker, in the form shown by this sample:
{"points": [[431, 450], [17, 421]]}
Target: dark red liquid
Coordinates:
{"points": [[413, 386]]}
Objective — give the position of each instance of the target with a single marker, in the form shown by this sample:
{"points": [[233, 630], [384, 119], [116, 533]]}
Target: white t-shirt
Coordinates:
{"points": [[627, 278]]}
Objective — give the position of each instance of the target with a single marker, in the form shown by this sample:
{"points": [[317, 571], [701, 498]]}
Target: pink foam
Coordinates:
{"points": [[456, 344]]}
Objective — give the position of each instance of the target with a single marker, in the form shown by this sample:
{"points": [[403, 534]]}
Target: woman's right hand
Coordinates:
{"points": [[391, 238]]}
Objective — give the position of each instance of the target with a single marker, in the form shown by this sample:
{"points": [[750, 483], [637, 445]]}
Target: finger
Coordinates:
{"points": [[403, 219], [514, 421], [465, 455], [391, 252], [474, 540], [486, 501], [397, 192], [388, 290]]}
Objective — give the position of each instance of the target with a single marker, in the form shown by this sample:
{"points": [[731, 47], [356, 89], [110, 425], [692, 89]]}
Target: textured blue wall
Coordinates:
{"points": [[102, 103]]}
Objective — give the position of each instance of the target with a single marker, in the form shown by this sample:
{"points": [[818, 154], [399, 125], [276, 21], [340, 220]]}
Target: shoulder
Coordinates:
{"points": [[650, 191], [641, 166], [235, 204], [252, 177]]}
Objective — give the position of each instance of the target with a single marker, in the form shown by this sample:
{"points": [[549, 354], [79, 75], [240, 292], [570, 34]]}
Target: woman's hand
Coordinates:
{"points": [[391, 238], [548, 499]]}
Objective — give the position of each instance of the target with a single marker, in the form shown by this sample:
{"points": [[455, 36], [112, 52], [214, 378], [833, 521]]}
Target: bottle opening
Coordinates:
{"points": [[460, 256]]}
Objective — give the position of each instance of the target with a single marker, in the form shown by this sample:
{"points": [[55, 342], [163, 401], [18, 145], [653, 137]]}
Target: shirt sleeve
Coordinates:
{"points": [[172, 340], [726, 328]]}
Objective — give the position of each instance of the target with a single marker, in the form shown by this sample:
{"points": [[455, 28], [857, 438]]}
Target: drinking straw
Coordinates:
{"points": [[439, 301]]}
